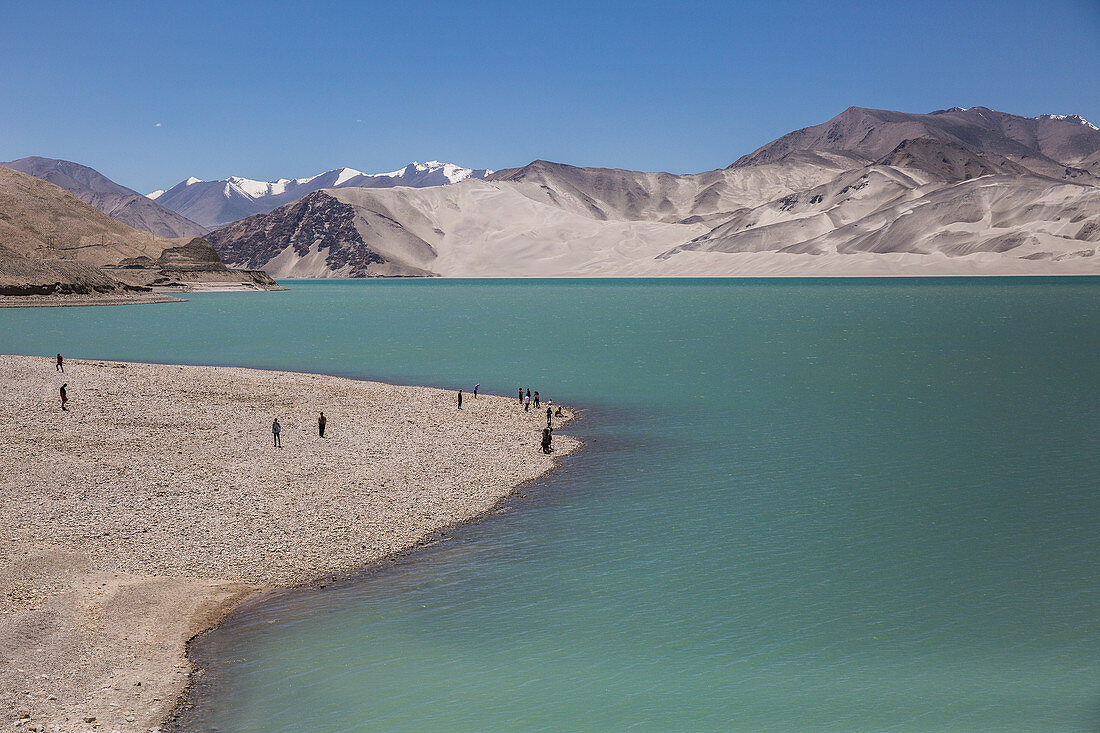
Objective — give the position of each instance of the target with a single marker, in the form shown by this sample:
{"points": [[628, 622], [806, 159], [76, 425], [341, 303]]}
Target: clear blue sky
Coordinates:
{"points": [[150, 93]]}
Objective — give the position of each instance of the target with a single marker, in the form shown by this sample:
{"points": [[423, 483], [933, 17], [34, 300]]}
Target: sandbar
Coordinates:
{"points": [[157, 503]]}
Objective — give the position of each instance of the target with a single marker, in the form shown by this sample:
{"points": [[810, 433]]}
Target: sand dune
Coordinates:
{"points": [[885, 210], [622, 195]]}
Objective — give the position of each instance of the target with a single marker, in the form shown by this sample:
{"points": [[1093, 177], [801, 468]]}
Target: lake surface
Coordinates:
{"points": [[828, 505]]}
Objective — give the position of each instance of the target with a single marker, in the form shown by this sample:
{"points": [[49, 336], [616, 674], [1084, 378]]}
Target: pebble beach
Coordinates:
{"points": [[157, 503]]}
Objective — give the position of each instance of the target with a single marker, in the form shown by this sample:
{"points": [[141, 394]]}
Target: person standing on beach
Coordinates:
{"points": [[321, 422], [276, 429], [460, 399], [60, 364], [549, 417], [64, 397], [475, 389], [536, 399], [546, 437], [527, 401], [521, 395]]}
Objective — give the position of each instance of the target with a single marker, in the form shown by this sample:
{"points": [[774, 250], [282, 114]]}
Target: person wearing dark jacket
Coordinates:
{"points": [[321, 422]]}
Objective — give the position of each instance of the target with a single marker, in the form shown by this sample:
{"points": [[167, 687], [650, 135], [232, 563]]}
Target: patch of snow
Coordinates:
{"points": [[278, 186], [346, 174], [433, 173], [253, 189], [154, 194], [1076, 119], [192, 180], [400, 172]]}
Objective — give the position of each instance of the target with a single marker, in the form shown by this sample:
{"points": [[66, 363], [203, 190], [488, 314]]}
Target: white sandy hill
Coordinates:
{"points": [[475, 228], [869, 192]]}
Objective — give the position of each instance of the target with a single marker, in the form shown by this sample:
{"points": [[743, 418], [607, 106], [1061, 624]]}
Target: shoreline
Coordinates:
{"points": [[162, 504], [753, 276], [250, 602], [170, 295], [73, 301], [158, 294]]}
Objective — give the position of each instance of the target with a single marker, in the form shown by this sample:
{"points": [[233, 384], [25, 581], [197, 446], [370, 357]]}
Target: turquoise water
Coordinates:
{"points": [[803, 505]]}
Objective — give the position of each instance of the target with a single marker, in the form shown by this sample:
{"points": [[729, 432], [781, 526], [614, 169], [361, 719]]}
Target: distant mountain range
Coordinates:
{"points": [[215, 203], [957, 191], [876, 192], [117, 201]]}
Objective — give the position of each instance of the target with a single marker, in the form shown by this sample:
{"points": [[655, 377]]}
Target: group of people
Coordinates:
{"points": [[277, 429], [527, 399]]}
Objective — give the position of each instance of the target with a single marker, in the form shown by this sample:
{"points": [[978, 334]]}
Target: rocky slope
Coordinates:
{"points": [[321, 236], [53, 243], [614, 194], [117, 201], [216, 203], [869, 192], [903, 204]]}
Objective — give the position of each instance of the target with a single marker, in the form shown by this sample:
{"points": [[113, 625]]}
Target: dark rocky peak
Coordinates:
{"points": [[948, 161], [534, 169], [1041, 145]]}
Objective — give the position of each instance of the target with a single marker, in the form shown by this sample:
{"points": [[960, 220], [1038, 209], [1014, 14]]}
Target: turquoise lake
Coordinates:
{"points": [[802, 505]]}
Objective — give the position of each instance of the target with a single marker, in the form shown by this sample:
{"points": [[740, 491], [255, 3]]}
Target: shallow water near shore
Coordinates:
{"points": [[802, 505]]}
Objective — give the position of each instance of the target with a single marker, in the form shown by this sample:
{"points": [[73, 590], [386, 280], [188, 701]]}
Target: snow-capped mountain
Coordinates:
{"points": [[215, 203]]}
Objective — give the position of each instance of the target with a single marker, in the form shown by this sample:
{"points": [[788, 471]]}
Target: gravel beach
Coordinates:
{"points": [[158, 502]]}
